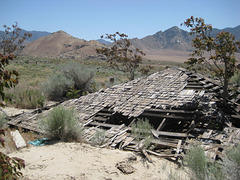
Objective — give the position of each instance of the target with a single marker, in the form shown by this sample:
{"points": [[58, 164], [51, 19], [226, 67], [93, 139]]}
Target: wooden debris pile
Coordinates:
{"points": [[182, 106]]}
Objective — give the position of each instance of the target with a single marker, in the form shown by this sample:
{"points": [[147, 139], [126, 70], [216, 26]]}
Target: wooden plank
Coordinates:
{"points": [[172, 134], [89, 121], [206, 135], [131, 123], [162, 155], [178, 148], [18, 139], [103, 114], [192, 126], [119, 139], [127, 141], [161, 125], [102, 124], [167, 144], [194, 87], [167, 116], [99, 118], [175, 111]]}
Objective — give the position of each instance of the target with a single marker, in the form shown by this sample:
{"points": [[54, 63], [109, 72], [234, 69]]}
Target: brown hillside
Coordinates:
{"points": [[61, 45]]}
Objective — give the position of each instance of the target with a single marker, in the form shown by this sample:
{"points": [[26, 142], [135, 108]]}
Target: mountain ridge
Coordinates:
{"points": [[62, 45]]}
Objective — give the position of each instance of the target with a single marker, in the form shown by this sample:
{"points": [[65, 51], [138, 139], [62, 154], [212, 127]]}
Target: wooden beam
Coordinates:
{"points": [[162, 155], [103, 114], [99, 118], [172, 134], [194, 87], [102, 124], [161, 124], [166, 116], [132, 122], [175, 111]]}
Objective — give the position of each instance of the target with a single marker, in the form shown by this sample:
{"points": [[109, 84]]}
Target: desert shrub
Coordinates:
{"points": [[196, 160], [142, 130], [57, 86], [201, 166], [71, 81], [25, 97], [3, 119], [236, 78], [83, 78], [99, 137], [231, 163], [61, 124], [29, 99]]}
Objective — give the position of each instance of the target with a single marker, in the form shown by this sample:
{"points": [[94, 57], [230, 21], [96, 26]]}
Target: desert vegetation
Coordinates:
{"points": [[37, 80], [202, 167], [61, 124]]}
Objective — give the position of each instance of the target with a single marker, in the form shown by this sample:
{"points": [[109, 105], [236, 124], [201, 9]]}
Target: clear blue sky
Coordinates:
{"points": [[89, 19]]}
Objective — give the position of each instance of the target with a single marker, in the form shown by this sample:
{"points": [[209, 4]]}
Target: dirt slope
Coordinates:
{"points": [[61, 45]]}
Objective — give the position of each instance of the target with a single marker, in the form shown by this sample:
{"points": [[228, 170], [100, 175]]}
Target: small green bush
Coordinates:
{"points": [[57, 86], [83, 78], [70, 81], [236, 78], [231, 163], [196, 160], [61, 124], [3, 119], [99, 137], [142, 130]]}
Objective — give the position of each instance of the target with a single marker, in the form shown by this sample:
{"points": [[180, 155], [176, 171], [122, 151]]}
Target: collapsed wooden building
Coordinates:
{"points": [[179, 104]]}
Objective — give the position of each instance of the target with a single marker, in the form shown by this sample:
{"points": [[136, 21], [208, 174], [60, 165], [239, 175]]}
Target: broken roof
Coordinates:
{"points": [[170, 88], [160, 90]]}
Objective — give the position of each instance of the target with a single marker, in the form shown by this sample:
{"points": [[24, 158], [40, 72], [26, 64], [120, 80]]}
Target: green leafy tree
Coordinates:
{"points": [[9, 43], [217, 53], [10, 168], [122, 55], [12, 39]]}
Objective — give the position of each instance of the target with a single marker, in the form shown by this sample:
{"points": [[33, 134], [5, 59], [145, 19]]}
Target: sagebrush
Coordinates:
{"points": [[70, 81], [202, 167], [61, 124], [142, 130]]}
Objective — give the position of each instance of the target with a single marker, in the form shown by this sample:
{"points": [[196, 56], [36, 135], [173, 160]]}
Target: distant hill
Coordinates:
{"points": [[174, 39], [235, 31], [173, 43], [35, 35], [61, 45], [104, 41]]}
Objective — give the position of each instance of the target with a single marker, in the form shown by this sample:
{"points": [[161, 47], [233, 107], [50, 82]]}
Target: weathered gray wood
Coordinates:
{"points": [[127, 141], [18, 139], [162, 155], [172, 134], [178, 148], [161, 125], [167, 116], [175, 111], [206, 135]]}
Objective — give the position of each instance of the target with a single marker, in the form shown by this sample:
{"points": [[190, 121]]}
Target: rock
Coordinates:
{"points": [[125, 167]]}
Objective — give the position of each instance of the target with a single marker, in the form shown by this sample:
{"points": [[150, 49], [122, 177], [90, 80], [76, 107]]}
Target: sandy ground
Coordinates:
{"points": [[82, 161], [85, 162]]}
